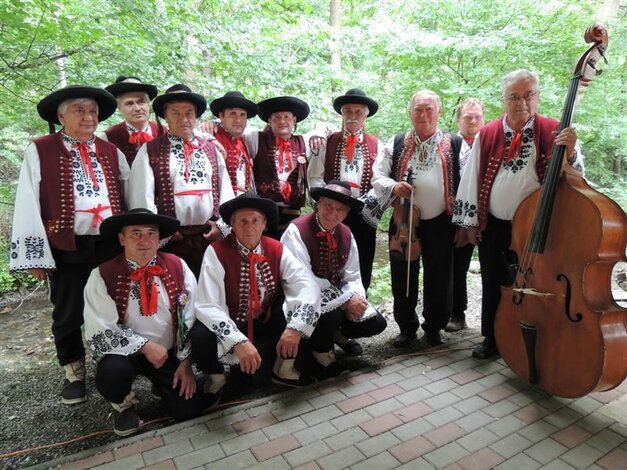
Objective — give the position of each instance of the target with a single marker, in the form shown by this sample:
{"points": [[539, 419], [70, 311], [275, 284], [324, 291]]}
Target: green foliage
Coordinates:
{"points": [[380, 290]]}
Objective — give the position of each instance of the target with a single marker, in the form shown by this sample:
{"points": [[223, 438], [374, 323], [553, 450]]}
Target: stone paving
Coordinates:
{"points": [[438, 409]]}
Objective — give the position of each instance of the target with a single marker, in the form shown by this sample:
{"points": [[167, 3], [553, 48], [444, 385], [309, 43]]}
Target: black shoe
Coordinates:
{"points": [[485, 350], [456, 324], [73, 393], [404, 339], [302, 381], [350, 347], [126, 422], [320, 372], [433, 338], [210, 400]]}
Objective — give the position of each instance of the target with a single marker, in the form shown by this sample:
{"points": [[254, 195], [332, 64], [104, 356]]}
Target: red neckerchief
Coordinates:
{"points": [[285, 151], [188, 149], [139, 137], [149, 300], [84, 152], [351, 141], [331, 241], [254, 303], [514, 147], [469, 140]]}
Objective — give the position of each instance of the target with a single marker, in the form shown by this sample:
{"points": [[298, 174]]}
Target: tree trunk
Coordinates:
{"points": [[334, 22]]}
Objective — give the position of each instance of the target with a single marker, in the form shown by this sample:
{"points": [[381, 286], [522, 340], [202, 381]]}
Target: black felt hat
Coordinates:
{"points": [[250, 201], [48, 106], [340, 191], [234, 99], [355, 96], [179, 92], [131, 84], [111, 226], [294, 105]]}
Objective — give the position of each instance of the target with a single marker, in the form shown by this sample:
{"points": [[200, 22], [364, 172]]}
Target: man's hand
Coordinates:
{"points": [[356, 307], [461, 238], [208, 127], [177, 236], [315, 142], [184, 376], [248, 356], [155, 353], [213, 233], [39, 274], [474, 235], [567, 138], [287, 347], [402, 189]]}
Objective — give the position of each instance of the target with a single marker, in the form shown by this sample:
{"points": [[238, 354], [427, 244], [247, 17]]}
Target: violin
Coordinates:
{"points": [[558, 326]]}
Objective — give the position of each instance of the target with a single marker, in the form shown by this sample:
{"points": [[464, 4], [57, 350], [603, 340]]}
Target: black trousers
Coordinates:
{"points": [[461, 262], [363, 329], [494, 259], [191, 248], [437, 259], [115, 375], [366, 240], [284, 221]]}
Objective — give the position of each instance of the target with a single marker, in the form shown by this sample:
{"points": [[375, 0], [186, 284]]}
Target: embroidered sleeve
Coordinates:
{"points": [[141, 183], [29, 243], [382, 180], [466, 209], [103, 332], [185, 302]]}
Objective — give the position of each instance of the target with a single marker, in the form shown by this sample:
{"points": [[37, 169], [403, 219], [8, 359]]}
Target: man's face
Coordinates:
{"points": [[80, 120], [248, 226], [181, 119], [233, 120], [140, 242], [470, 120], [331, 213], [521, 100], [282, 124], [354, 116], [135, 108], [425, 113]]}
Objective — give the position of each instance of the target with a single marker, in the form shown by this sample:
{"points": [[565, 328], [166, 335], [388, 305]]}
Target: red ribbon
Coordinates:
{"points": [[188, 149], [254, 302], [514, 147], [287, 191], [149, 300], [96, 212], [194, 192], [139, 137], [84, 152], [351, 141], [469, 140], [285, 151], [330, 241]]}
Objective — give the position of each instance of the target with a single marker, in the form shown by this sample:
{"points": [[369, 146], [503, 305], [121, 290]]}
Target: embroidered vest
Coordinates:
{"points": [[118, 135], [335, 155], [265, 171], [237, 276], [115, 274], [492, 141], [56, 189], [232, 159], [325, 263], [159, 160]]}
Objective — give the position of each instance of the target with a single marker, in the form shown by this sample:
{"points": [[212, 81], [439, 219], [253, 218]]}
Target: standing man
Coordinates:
{"points": [[349, 155], [138, 310], [507, 163], [182, 176], [133, 99], [432, 156], [256, 303], [234, 111], [69, 183], [326, 247], [469, 116]]}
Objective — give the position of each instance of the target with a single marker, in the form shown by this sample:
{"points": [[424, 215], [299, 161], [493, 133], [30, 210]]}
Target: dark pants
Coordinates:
{"points": [[363, 329], [286, 215], [115, 375], [366, 240], [493, 258], [437, 258], [461, 262], [191, 248]]}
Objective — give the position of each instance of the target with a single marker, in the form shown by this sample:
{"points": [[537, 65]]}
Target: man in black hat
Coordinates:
{"points": [[138, 311], [183, 176], [255, 301], [349, 155], [234, 110], [133, 99], [327, 249], [69, 183]]}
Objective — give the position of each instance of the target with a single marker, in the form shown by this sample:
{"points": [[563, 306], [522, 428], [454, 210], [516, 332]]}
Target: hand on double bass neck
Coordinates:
{"points": [[567, 138]]}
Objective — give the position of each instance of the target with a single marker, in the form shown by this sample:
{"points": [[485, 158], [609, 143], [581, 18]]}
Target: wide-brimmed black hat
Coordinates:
{"points": [[294, 105], [233, 99], [355, 96], [340, 191], [131, 84], [111, 226], [47, 107], [251, 201], [179, 92]]}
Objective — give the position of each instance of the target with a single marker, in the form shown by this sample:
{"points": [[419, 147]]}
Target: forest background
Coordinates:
{"points": [[315, 50]]}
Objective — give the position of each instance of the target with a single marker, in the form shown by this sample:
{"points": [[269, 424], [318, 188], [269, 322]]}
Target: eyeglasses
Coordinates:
{"points": [[516, 98]]}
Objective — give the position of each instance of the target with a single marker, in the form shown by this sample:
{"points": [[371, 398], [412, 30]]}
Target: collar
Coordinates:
{"points": [[135, 266], [72, 141], [130, 128], [175, 139], [244, 251], [322, 229], [359, 133], [434, 139], [528, 124]]}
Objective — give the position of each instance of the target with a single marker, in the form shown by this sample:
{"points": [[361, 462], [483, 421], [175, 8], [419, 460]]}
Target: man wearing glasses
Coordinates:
{"points": [[507, 163]]}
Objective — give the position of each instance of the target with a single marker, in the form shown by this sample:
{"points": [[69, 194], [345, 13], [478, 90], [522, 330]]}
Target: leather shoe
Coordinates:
{"points": [[485, 350], [433, 338], [404, 339], [455, 324], [350, 347]]}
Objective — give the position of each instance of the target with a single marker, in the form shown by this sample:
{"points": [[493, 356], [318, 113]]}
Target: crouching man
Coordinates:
{"points": [[138, 310], [256, 303]]}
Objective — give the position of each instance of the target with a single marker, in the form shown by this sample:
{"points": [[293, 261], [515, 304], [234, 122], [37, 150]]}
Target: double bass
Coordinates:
{"points": [[558, 326]]}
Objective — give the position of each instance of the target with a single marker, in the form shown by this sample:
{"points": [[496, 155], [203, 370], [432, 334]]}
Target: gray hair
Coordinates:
{"points": [[65, 104], [429, 93], [519, 76], [358, 104], [468, 102], [121, 96]]}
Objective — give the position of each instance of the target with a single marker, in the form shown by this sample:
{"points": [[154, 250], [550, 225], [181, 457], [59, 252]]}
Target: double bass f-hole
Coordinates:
{"points": [[567, 300]]}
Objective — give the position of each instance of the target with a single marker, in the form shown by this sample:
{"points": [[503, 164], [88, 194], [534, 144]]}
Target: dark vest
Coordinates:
{"points": [[333, 161], [118, 135], [56, 189]]}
